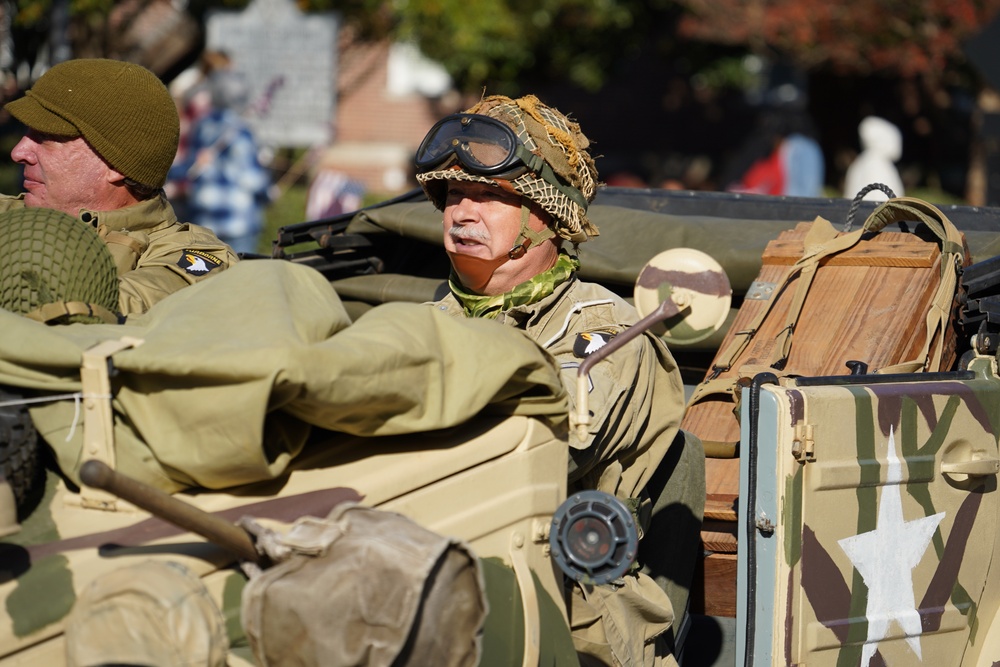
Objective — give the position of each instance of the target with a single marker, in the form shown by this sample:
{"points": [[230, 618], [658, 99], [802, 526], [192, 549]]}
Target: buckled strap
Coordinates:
{"points": [[53, 311], [98, 419]]}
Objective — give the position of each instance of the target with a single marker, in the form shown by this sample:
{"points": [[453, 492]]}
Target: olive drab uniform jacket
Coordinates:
{"points": [[637, 401], [156, 255]]}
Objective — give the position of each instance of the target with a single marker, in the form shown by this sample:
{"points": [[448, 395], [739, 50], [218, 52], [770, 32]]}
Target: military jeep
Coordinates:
{"points": [[864, 521], [837, 474]]}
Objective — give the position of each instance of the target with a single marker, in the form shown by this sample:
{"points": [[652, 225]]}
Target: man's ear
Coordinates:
{"points": [[114, 177]]}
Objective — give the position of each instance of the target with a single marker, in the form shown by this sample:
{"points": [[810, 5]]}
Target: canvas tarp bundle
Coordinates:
{"points": [[233, 373]]}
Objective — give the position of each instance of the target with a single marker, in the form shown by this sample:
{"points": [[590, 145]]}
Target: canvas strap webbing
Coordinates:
{"points": [[53, 311], [952, 261], [98, 419]]}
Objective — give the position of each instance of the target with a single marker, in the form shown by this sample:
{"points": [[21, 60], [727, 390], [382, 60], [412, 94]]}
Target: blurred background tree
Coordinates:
{"points": [[690, 75]]}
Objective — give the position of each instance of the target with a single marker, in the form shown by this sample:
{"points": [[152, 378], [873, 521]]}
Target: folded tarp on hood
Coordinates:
{"points": [[234, 372]]}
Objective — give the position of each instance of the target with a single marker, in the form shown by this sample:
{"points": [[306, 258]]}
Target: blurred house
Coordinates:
{"points": [[388, 97]]}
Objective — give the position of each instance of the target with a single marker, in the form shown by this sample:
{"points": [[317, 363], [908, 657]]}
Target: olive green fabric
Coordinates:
{"points": [[51, 258], [123, 111], [235, 372], [154, 252]]}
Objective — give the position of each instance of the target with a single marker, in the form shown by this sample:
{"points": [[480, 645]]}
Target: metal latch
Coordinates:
{"points": [[803, 444], [760, 291]]}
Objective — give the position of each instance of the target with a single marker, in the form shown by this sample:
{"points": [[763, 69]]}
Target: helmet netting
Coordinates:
{"points": [[51, 257]]}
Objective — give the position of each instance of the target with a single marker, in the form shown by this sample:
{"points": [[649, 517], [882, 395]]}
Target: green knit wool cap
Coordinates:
{"points": [[56, 269], [121, 109]]}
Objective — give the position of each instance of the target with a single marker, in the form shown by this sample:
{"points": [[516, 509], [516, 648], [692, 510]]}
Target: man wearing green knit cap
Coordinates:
{"points": [[101, 135], [514, 180]]}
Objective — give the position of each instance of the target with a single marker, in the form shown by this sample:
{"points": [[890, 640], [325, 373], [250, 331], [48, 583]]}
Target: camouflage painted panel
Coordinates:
{"points": [[889, 519]]}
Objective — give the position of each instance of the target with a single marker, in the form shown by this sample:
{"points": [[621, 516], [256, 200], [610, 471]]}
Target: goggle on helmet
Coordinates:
{"points": [[485, 147]]}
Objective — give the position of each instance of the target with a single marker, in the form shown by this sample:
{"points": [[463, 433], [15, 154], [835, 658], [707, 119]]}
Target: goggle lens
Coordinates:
{"points": [[483, 145], [486, 147]]}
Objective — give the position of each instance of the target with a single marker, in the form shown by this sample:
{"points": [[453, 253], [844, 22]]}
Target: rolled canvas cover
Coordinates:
{"points": [[234, 373]]}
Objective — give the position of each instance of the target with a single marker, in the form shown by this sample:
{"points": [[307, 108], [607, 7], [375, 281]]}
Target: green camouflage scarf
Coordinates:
{"points": [[528, 292]]}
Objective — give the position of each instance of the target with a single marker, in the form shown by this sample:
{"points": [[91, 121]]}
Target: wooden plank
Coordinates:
{"points": [[721, 506], [719, 536], [902, 253], [722, 477], [714, 589]]}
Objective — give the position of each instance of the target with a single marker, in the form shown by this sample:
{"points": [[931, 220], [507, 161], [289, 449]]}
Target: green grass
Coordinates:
{"points": [[287, 209], [290, 208]]}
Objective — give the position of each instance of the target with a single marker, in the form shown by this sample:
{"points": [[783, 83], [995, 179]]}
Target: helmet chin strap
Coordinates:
{"points": [[476, 271], [528, 238]]}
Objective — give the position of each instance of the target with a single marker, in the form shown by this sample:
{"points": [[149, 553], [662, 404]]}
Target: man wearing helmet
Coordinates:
{"points": [[101, 135], [514, 181]]}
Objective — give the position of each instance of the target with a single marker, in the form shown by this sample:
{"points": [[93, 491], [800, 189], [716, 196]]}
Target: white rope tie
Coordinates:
{"points": [[76, 396]]}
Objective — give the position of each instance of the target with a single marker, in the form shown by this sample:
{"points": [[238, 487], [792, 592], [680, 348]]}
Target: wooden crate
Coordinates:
{"points": [[868, 303]]}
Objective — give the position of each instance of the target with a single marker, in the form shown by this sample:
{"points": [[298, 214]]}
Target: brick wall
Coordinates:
{"points": [[377, 132]]}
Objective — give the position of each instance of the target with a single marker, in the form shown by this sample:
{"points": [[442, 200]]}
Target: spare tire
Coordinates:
{"points": [[19, 451]]}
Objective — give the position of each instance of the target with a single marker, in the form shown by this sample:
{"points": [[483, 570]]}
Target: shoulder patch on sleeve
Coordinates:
{"points": [[588, 342], [198, 262]]}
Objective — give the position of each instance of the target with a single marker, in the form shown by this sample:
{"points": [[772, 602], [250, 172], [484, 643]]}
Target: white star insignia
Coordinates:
{"points": [[885, 558]]}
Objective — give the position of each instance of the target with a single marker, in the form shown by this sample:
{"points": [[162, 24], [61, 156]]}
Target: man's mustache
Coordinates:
{"points": [[460, 233]]}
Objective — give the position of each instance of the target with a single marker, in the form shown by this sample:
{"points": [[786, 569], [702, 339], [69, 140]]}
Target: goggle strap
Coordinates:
{"points": [[537, 164]]}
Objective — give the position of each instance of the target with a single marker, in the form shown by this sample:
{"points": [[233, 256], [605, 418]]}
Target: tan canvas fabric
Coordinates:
{"points": [[363, 587], [621, 624], [150, 613], [234, 372], [156, 255]]}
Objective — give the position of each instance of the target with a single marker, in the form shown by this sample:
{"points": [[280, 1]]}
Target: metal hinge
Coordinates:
{"points": [[803, 444]]}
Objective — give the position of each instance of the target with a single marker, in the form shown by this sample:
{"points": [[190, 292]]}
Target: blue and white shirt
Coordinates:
{"points": [[228, 190]]}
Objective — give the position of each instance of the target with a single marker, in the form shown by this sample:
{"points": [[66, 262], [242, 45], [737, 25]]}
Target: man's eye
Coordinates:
{"points": [[497, 193], [41, 137]]}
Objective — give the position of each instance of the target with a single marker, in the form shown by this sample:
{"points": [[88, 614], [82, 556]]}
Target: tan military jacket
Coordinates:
{"points": [[636, 398], [636, 394], [156, 254]]}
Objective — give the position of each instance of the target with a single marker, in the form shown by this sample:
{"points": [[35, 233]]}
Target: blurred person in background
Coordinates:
{"points": [[228, 188], [783, 158], [193, 96], [881, 148]]}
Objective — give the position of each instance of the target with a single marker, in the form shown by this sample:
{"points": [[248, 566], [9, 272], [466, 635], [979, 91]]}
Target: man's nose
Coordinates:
{"points": [[23, 151], [465, 209]]}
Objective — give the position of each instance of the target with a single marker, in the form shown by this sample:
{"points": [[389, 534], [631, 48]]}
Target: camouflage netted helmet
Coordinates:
{"points": [[543, 157], [55, 269]]}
